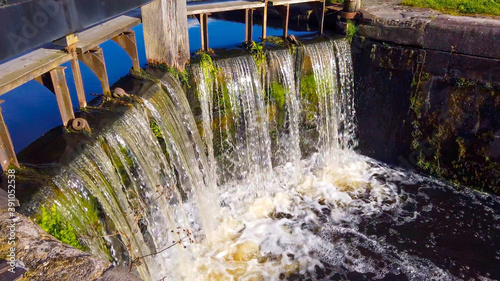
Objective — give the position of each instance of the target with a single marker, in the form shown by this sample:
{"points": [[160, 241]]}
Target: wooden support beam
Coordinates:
{"points": [[203, 19], [127, 41], [264, 21], [77, 76], [319, 11], [248, 26], [62, 94], [69, 42], [166, 33], [284, 12], [94, 59], [7, 153]]}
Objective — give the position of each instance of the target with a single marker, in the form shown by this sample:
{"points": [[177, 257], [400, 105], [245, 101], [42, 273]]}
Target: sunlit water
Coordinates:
{"points": [[247, 202]]}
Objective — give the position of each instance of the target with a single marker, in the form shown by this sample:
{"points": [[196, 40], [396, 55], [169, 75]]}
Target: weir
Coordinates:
{"points": [[243, 165], [151, 177], [166, 45]]}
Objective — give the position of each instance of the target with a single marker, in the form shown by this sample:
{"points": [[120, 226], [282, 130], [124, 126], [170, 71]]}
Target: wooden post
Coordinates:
{"points": [[77, 76], [7, 153], [62, 94], [94, 59], [248, 26], [203, 19], [264, 21], [69, 42], [352, 6], [319, 10], [166, 33], [284, 12]]}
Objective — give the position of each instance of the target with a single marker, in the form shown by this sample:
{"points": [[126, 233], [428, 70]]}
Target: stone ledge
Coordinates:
{"points": [[428, 29], [46, 258]]}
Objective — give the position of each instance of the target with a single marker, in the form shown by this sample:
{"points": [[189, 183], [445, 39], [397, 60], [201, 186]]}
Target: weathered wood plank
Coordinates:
{"points": [[195, 8], [98, 34], [166, 33], [22, 69]]}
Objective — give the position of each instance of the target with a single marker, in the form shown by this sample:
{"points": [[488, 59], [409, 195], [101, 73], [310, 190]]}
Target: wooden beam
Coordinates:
{"points": [[248, 26], [27, 67], [62, 94], [203, 19], [95, 36], [128, 42], [94, 59], [319, 11], [264, 21], [77, 76], [7, 153], [284, 11]]}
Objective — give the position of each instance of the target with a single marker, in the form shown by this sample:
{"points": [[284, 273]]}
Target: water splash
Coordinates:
{"points": [[265, 213]]}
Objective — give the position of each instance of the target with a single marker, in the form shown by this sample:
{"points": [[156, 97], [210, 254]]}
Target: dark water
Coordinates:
{"points": [[439, 232]]}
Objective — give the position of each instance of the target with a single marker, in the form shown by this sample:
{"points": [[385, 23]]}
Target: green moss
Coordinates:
{"points": [[463, 83], [277, 93], [156, 130], [258, 53], [53, 223], [183, 76]]}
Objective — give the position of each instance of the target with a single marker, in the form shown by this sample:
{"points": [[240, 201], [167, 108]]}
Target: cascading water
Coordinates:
{"points": [[266, 213]]}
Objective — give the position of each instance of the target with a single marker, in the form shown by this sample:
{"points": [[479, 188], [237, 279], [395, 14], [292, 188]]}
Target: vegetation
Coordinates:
{"points": [[258, 53], [53, 223], [183, 76], [351, 30], [277, 93], [487, 7]]}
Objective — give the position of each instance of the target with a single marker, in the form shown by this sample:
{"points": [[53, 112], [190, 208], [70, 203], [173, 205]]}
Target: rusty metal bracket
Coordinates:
{"points": [[128, 42], [7, 153], [94, 59], [203, 19], [248, 25], [284, 12]]}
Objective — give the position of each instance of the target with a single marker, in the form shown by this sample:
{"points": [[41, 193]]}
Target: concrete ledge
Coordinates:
{"points": [[428, 29], [464, 35]]}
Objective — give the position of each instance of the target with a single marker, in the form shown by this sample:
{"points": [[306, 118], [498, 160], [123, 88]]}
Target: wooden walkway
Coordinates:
{"points": [[44, 65], [203, 9], [197, 8]]}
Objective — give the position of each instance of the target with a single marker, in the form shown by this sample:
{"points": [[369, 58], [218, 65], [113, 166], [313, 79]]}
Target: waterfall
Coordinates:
{"points": [[283, 89], [151, 177], [332, 69]]}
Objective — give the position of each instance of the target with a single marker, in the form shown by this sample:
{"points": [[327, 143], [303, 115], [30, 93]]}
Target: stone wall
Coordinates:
{"points": [[428, 93]]}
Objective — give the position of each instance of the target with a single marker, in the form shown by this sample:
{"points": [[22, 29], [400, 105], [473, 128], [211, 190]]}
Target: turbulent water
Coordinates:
{"points": [[264, 184]]}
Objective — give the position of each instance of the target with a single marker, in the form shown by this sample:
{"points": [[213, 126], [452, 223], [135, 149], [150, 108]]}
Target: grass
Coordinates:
{"points": [[485, 7]]}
